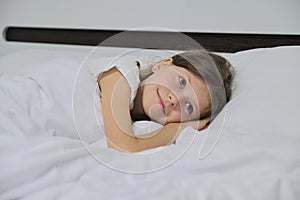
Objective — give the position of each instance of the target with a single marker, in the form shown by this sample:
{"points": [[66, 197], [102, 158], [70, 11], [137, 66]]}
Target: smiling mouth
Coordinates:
{"points": [[161, 102]]}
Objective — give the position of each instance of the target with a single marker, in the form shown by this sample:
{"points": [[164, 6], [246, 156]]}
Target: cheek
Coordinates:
{"points": [[165, 78], [175, 116], [148, 97]]}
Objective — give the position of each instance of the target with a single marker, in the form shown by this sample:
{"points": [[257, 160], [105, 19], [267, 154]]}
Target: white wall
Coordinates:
{"points": [[226, 16], [251, 16]]}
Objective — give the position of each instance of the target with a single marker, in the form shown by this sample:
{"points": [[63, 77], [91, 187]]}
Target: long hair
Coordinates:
{"points": [[215, 70]]}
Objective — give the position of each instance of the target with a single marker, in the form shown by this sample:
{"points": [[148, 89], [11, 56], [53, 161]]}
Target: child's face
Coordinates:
{"points": [[173, 94]]}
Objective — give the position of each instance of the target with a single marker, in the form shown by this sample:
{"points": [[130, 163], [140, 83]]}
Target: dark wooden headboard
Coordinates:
{"points": [[220, 42]]}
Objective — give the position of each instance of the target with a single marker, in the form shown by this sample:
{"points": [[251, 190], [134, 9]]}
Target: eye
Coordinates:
{"points": [[182, 82], [189, 107]]}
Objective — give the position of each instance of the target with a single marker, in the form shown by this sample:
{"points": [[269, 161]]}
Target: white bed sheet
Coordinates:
{"points": [[256, 156]]}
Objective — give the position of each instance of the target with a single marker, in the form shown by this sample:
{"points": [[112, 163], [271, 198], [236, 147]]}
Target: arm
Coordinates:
{"points": [[117, 121]]}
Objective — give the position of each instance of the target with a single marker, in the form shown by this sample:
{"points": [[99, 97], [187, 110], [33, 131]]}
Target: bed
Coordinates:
{"points": [[250, 151]]}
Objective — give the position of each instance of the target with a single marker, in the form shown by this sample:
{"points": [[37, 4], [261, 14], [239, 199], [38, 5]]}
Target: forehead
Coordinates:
{"points": [[194, 80]]}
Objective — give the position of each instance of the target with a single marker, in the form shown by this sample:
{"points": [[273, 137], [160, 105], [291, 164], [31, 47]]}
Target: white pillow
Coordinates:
{"points": [[266, 99]]}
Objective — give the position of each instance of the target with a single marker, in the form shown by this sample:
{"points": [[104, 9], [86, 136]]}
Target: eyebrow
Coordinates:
{"points": [[196, 104], [189, 78]]}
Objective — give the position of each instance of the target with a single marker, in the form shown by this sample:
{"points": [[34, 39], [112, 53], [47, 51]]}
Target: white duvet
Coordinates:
{"points": [[251, 151]]}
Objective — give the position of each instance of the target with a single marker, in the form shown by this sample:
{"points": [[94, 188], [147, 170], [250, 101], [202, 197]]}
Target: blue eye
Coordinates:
{"points": [[189, 107], [182, 82]]}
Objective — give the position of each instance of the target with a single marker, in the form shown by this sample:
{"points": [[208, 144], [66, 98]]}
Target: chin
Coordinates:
{"points": [[161, 121], [156, 115]]}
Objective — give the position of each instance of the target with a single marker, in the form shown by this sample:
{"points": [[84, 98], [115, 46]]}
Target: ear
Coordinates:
{"points": [[165, 62]]}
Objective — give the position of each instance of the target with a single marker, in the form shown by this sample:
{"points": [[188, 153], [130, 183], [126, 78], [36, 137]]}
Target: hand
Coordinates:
{"points": [[198, 124], [172, 130]]}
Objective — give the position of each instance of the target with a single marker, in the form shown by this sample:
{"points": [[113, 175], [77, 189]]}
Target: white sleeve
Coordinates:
{"points": [[127, 65]]}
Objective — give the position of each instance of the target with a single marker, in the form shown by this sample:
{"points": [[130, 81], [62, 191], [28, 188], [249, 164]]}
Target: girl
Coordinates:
{"points": [[188, 89]]}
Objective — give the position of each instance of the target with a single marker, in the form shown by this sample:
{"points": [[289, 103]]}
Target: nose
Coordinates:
{"points": [[172, 100]]}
